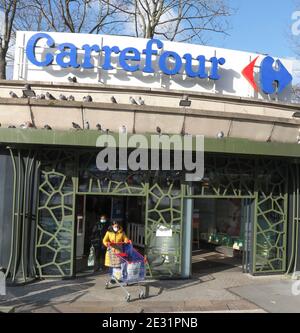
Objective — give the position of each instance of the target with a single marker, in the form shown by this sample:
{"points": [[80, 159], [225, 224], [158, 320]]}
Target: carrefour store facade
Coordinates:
{"points": [[70, 89]]}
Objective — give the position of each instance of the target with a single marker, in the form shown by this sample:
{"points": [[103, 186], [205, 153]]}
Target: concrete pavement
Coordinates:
{"points": [[207, 292], [274, 297]]}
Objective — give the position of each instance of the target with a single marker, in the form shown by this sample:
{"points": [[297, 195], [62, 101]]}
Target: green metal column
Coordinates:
{"points": [[21, 266], [294, 256], [187, 238]]}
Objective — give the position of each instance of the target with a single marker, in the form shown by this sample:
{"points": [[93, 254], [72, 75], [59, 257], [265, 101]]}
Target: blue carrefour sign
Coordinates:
{"points": [[156, 58], [170, 62], [268, 75]]}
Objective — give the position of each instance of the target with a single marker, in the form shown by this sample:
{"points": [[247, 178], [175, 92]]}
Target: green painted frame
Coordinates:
{"points": [[21, 268], [171, 218], [293, 264], [87, 139], [235, 188], [112, 188], [59, 221]]}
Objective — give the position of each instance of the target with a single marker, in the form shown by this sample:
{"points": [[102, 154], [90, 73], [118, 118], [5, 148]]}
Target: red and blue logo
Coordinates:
{"points": [[268, 76]]}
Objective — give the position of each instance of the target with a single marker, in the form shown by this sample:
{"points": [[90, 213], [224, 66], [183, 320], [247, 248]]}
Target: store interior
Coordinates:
{"points": [[127, 211], [218, 234], [218, 229]]}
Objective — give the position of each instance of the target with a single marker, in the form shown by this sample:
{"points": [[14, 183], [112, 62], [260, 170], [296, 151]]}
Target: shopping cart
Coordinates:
{"points": [[127, 267]]}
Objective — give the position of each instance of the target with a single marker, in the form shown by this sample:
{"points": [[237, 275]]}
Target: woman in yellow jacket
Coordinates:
{"points": [[114, 234]]}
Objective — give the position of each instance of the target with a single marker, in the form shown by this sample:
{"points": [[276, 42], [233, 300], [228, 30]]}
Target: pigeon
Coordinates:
{"points": [[11, 126], [28, 92], [47, 127], [62, 97], [123, 129], [76, 126], [113, 99], [13, 95], [220, 135], [132, 100], [50, 96], [141, 101], [41, 96], [28, 124], [71, 98], [72, 79], [99, 128], [87, 99], [87, 125], [158, 130]]}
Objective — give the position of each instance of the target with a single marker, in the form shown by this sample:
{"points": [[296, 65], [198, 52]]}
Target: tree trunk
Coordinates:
{"points": [[2, 65], [150, 32]]}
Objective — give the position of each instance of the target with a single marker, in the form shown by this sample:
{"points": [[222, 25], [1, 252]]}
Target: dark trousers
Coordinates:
{"points": [[99, 258]]}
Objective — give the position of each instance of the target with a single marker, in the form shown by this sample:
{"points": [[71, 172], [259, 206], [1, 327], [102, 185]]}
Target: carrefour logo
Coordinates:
{"points": [[269, 74], [129, 58], [274, 77]]}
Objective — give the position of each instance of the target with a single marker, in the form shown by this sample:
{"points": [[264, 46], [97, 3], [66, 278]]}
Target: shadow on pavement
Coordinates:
{"points": [[41, 294]]}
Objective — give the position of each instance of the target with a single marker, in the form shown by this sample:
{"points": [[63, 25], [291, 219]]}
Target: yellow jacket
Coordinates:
{"points": [[113, 237]]}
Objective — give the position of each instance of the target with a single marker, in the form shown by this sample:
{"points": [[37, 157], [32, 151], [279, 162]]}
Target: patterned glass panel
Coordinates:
{"points": [[164, 225], [55, 215], [271, 224]]}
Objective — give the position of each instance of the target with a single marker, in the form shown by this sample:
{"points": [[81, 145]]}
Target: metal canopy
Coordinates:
{"points": [[88, 138]]}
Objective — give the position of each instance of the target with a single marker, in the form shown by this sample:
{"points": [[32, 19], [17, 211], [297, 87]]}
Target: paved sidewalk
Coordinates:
{"points": [[204, 293], [274, 297]]}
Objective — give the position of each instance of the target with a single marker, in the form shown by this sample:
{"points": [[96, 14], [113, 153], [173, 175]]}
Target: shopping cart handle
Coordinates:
{"points": [[121, 243]]}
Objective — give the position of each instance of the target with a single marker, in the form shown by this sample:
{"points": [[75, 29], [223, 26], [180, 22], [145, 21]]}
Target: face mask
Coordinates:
{"points": [[115, 229], [103, 221]]}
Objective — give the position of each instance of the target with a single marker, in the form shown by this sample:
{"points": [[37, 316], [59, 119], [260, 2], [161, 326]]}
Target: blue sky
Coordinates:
{"points": [[261, 26]]}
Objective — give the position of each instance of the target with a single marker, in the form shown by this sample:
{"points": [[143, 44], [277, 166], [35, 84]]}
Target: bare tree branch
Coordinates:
{"points": [[9, 8], [173, 18]]}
